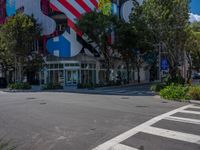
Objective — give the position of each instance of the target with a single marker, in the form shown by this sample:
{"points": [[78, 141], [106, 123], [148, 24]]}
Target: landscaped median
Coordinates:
{"points": [[176, 89], [177, 92]]}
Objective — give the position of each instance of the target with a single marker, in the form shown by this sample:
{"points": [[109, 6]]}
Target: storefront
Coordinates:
{"points": [[82, 69]]}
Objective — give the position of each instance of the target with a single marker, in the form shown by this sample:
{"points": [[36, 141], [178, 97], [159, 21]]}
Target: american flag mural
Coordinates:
{"points": [[70, 41], [73, 10]]}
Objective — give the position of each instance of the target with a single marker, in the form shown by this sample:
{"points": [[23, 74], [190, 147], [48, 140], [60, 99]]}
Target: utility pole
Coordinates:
{"points": [[15, 68], [159, 61]]}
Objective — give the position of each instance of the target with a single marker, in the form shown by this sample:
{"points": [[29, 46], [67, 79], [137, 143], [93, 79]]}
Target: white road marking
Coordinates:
{"points": [[122, 91], [131, 91], [196, 107], [190, 112], [122, 147], [1, 92], [184, 120], [113, 142], [173, 134], [109, 90]]}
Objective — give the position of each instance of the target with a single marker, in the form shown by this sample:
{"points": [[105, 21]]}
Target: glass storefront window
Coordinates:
{"points": [[56, 66], [66, 65], [72, 77], [88, 66], [60, 66], [88, 76], [51, 66]]}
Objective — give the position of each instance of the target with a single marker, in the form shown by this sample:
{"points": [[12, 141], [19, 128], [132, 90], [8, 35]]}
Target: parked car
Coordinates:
{"points": [[3, 83], [196, 76]]}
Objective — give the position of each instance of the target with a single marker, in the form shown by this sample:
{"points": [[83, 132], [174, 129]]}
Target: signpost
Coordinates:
{"points": [[164, 64]]}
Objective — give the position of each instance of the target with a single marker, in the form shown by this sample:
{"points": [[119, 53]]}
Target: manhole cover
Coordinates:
{"points": [[164, 102], [30, 98], [125, 98], [142, 106], [43, 103]]}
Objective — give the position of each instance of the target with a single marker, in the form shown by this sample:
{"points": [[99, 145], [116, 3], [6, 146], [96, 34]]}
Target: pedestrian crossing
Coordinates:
{"points": [[124, 91], [149, 128]]}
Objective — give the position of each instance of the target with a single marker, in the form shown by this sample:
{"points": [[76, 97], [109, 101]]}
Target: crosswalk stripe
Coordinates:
{"points": [[184, 120], [191, 138], [116, 140], [121, 91], [109, 90], [196, 107], [190, 112], [122, 147], [130, 91]]}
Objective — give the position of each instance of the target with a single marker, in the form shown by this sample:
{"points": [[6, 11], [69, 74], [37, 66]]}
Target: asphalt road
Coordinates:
{"points": [[71, 121]]}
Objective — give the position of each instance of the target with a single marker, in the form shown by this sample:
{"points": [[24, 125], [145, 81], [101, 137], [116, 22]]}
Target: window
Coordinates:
{"points": [[61, 66]]}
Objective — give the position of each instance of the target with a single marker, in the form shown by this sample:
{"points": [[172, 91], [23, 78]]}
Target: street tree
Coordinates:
{"points": [[167, 21], [97, 26], [142, 45], [18, 34], [6, 59], [133, 41], [192, 48], [124, 42]]}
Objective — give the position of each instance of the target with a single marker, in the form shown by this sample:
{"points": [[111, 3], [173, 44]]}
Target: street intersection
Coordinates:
{"points": [[106, 121]]}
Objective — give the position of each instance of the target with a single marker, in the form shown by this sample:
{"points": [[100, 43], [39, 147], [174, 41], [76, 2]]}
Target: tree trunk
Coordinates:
{"points": [[20, 73], [128, 73], [108, 72], [138, 73], [173, 71], [189, 75]]}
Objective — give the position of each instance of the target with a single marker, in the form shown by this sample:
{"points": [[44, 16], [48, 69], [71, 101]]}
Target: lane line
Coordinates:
{"points": [[184, 120], [190, 112], [191, 138], [111, 143], [122, 147]]}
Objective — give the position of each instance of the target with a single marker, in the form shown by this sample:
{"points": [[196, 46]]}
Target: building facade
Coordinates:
{"points": [[69, 58]]}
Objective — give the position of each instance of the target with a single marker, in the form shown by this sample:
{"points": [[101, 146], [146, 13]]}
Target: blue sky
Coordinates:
{"points": [[195, 7]]}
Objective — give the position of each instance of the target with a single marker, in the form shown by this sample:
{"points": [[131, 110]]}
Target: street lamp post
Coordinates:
{"points": [[15, 68]]}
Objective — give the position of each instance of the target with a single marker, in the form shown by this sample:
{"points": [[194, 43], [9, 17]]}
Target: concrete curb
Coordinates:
{"points": [[195, 102]]}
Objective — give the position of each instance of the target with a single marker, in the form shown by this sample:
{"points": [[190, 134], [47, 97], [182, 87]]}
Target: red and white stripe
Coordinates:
{"points": [[73, 9]]}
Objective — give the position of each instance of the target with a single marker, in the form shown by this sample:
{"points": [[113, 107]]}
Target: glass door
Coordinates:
{"points": [[71, 77]]}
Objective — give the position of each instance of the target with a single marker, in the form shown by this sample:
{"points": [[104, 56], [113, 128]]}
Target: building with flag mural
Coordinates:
{"points": [[69, 58]]}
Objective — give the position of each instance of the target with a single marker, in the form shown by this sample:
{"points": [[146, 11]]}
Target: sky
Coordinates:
{"points": [[195, 11], [195, 6]]}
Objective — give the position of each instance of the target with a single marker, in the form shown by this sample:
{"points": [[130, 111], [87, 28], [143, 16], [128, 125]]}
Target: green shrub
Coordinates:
{"points": [[174, 92], [51, 86], [157, 87], [194, 93], [175, 80], [19, 86]]}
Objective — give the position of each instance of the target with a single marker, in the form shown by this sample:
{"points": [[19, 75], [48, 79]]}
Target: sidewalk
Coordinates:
{"points": [[74, 89]]}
